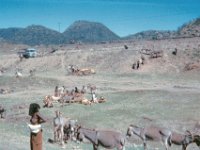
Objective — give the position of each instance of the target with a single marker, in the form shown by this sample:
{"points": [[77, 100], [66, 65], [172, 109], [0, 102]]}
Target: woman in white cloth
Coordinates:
{"points": [[35, 127]]}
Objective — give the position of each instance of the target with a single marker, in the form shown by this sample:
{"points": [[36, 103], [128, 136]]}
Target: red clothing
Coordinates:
{"points": [[36, 141]]}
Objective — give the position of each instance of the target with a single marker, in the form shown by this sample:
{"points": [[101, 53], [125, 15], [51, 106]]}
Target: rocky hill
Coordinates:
{"points": [[89, 32], [152, 35], [80, 31], [191, 29], [85, 31], [31, 35]]}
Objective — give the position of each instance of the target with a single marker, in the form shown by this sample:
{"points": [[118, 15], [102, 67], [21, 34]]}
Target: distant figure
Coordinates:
{"points": [[134, 66], [2, 112], [83, 90], [143, 59], [35, 127], [76, 90], [125, 46], [56, 92], [175, 51], [32, 72], [138, 64], [94, 98]]}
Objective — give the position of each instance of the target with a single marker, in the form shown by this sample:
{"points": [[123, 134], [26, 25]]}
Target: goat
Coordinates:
{"points": [[18, 74], [151, 133]]}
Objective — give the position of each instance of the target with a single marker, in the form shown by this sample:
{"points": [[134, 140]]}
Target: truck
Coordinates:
{"points": [[28, 53]]}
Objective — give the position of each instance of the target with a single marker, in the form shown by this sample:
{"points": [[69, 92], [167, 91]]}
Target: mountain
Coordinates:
{"points": [[191, 29], [152, 35], [31, 35], [85, 31], [89, 32]]}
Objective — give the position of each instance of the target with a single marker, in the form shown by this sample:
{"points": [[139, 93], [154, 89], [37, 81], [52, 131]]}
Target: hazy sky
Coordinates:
{"points": [[123, 17]]}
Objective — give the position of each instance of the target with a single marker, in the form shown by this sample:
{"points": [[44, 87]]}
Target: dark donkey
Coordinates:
{"points": [[151, 133], [104, 138]]}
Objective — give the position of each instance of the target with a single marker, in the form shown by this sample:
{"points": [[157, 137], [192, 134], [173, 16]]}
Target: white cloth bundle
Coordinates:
{"points": [[34, 128]]}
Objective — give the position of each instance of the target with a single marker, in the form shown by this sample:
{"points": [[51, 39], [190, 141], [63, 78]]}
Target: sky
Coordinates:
{"points": [[123, 17]]}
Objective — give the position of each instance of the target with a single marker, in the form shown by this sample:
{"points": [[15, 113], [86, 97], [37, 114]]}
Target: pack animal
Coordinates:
{"points": [[62, 124], [181, 139], [104, 138], [151, 133]]}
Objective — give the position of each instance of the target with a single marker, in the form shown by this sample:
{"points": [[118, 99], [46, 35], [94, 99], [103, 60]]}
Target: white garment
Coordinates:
{"points": [[34, 128], [94, 98]]}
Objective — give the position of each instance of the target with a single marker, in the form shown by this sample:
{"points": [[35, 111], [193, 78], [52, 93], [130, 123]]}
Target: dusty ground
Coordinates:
{"points": [[160, 90]]}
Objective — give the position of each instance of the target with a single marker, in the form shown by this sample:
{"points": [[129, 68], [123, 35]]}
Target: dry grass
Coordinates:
{"points": [[160, 90]]}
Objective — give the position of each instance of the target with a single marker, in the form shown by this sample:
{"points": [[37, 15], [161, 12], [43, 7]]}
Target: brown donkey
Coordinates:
{"points": [[104, 138]]}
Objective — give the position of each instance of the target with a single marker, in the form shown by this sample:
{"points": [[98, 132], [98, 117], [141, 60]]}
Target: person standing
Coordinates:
{"points": [[35, 127]]}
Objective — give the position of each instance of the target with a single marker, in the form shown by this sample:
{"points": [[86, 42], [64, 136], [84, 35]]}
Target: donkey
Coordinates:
{"points": [[182, 139], [104, 138], [62, 124], [151, 133]]}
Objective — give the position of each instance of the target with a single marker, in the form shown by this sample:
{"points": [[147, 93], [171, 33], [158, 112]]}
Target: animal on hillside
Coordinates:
{"points": [[2, 112], [92, 88], [18, 74], [83, 90], [181, 139], [191, 66], [104, 138], [85, 101], [94, 98], [6, 91], [62, 124], [125, 46], [86, 71], [48, 102], [101, 99], [175, 51], [59, 91], [156, 54], [83, 71], [32, 72], [52, 98], [151, 133], [195, 133]]}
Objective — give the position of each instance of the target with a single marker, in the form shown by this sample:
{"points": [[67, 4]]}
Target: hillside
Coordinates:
{"points": [[31, 35], [152, 35], [191, 29], [160, 92]]}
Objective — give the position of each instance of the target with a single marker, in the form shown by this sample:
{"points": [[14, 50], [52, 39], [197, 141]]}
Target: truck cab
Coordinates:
{"points": [[29, 53]]}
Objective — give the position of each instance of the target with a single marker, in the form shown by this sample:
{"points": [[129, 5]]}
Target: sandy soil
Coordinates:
{"points": [[161, 89]]}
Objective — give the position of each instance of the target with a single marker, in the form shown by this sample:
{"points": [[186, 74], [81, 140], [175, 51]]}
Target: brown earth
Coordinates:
{"points": [[161, 89]]}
